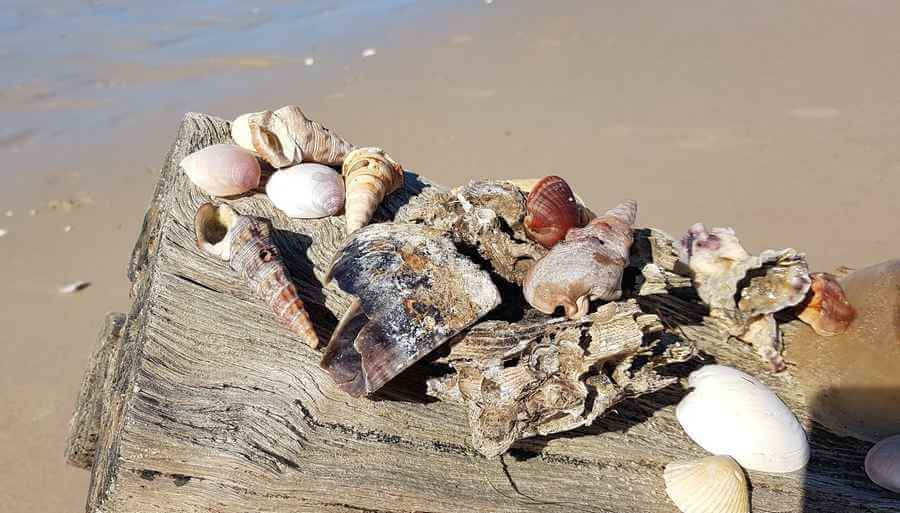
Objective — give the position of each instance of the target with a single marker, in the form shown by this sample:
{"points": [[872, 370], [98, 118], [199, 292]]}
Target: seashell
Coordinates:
{"points": [[409, 282], [826, 308], [527, 184], [370, 174], [883, 463], [588, 265], [307, 191], [222, 170], [551, 211], [732, 413], [286, 137], [245, 242], [714, 484], [75, 286]]}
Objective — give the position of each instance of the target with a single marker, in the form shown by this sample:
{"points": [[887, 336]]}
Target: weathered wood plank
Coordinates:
{"points": [[213, 406]]}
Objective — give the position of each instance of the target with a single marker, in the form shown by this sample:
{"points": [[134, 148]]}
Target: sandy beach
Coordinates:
{"points": [[780, 120]]}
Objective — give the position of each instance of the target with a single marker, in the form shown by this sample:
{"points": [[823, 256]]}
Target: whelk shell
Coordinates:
{"points": [[245, 242], [370, 174], [307, 191], [732, 413], [715, 484], [222, 170], [551, 211], [826, 308], [883, 463]]}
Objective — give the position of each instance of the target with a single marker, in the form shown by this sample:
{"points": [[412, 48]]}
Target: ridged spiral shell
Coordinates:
{"points": [[551, 211], [370, 174], [715, 484]]}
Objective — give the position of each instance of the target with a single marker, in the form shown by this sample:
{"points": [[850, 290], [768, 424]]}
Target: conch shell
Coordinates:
{"points": [[286, 137], [307, 191], [551, 211], [245, 242], [714, 484], [826, 308], [222, 169], [588, 265], [370, 174]]}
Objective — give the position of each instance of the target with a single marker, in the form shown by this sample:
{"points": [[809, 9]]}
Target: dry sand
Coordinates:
{"points": [[781, 120]]}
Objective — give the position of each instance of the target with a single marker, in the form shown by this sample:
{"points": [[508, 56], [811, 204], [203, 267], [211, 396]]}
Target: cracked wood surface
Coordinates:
{"points": [[210, 405]]}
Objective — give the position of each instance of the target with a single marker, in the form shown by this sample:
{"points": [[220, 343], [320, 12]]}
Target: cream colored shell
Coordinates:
{"points": [[715, 484]]}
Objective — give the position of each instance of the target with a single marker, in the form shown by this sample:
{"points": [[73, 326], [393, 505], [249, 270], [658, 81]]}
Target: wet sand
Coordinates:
{"points": [[779, 120]]}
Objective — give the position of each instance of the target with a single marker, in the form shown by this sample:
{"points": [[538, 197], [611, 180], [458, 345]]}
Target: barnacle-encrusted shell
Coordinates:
{"points": [[370, 174], [587, 265], [245, 242], [883, 463], [307, 191], [715, 484], [222, 170], [286, 137], [551, 211], [826, 308], [414, 292], [732, 413]]}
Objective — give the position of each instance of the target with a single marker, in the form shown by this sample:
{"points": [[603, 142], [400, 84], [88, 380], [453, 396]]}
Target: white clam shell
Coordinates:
{"points": [[732, 413], [307, 191], [222, 169], [883, 463], [715, 484]]}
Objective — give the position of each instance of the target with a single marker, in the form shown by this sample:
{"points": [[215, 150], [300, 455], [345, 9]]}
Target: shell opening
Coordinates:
{"points": [[211, 225]]}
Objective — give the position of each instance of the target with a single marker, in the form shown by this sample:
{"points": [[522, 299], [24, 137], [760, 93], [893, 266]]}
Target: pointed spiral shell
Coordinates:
{"points": [[370, 174], [551, 211]]}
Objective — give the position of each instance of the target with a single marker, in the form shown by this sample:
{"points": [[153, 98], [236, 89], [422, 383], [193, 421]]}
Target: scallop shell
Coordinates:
{"points": [[245, 242], [732, 413], [370, 174], [222, 170], [307, 191], [588, 265], [883, 463], [826, 308], [285, 137], [551, 211], [715, 484]]}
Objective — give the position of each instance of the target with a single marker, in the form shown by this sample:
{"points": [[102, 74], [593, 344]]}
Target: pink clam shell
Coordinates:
{"points": [[222, 169]]}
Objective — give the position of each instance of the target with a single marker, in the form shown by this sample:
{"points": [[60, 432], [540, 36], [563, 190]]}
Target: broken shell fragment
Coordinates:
{"points": [[732, 413], [245, 242], [413, 291], [222, 170], [370, 174], [285, 137], [883, 463], [715, 484], [588, 265], [307, 191], [552, 211], [826, 308]]}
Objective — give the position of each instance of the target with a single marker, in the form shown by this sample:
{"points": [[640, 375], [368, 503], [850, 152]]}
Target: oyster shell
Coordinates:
{"points": [[552, 211], [414, 292], [714, 484]]}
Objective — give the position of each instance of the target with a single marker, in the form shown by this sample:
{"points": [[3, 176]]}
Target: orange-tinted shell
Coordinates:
{"points": [[551, 211], [826, 308]]}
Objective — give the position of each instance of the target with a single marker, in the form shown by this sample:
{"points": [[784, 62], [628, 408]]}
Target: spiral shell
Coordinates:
{"points": [[826, 308], [245, 242], [307, 191], [370, 174], [715, 484], [222, 170], [286, 137], [883, 463], [551, 211]]}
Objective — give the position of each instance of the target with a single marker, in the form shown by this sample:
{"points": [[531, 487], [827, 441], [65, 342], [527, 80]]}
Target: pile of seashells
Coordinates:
{"points": [[574, 258]]}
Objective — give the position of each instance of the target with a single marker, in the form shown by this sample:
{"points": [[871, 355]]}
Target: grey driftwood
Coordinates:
{"points": [[207, 404]]}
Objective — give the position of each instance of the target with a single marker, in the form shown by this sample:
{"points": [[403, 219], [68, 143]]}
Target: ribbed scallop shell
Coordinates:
{"points": [[551, 211], [307, 191], [732, 413], [245, 242], [222, 170], [883, 463], [826, 308], [370, 174], [715, 484]]}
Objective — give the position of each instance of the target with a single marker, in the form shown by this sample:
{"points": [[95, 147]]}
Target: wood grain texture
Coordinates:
{"points": [[213, 406]]}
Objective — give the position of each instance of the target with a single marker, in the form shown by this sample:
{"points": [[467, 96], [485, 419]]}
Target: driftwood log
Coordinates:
{"points": [[201, 401]]}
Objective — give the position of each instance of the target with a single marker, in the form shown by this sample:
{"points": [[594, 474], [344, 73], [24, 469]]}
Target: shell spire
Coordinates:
{"points": [[245, 242], [370, 174], [285, 137], [552, 211]]}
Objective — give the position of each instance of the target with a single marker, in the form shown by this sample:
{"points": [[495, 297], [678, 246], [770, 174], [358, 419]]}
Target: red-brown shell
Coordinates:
{"points": [[826, 308], [551, 211]]}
